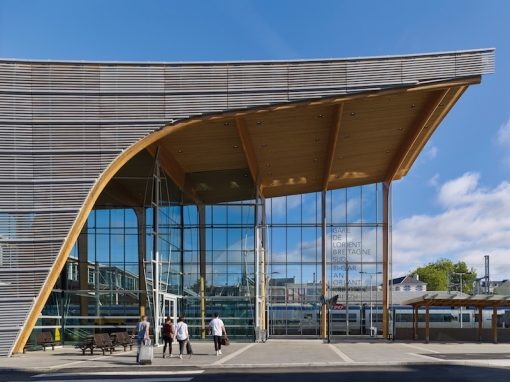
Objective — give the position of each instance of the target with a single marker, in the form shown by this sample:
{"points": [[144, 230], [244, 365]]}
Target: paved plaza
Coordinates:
{"points": [[353, 353]]}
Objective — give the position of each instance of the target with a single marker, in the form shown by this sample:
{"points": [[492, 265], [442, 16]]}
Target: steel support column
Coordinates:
{"points": [[141, 232], [156, 200], [201, 239], [83, 274]]}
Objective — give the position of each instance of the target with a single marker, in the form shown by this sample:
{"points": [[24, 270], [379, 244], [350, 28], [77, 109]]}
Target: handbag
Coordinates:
{"points": [[146, 353], [189, 350], [225, 341]]}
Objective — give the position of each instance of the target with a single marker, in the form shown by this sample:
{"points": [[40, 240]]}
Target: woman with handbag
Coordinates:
{"points": [[217, 329], [181, 334]]}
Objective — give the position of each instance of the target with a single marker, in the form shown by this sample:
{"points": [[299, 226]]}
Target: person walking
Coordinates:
{"points": [[182, 335], [167, 332], [142, 335], [217, 329]]}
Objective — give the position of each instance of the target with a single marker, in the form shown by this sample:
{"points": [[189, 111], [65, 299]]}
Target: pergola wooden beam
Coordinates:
{"points": [[424, 121], [333, 140], [427, 323], [173, 169], [480, 323]]}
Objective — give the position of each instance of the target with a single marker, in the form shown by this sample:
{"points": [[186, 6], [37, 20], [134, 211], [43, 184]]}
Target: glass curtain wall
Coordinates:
{"points": [[98, 289], [354, 261], [104, 284], [107, 281], [229, 267]]}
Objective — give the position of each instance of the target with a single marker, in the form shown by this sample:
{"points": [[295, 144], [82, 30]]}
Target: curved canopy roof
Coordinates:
{"points": [[364, 122]]}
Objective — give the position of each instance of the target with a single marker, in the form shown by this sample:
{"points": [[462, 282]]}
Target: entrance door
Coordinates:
{"points": [[168, 308]]}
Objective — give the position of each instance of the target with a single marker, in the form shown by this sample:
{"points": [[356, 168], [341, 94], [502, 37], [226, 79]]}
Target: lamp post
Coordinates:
{"points": [[370, 274]]}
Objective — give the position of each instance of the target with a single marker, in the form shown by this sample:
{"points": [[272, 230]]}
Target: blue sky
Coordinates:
{"points": [[454, 202]]}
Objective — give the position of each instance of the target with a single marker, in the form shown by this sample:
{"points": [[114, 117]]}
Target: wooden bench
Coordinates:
{"points": [[123, 339], [104, 342], [45, 339], [88, 343]]}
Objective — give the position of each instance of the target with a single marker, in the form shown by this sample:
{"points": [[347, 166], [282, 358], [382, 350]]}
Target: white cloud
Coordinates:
{"points": [[503, 139], [434, 181], [475, 221], [431, 153], [458, 190], [503, 136]]}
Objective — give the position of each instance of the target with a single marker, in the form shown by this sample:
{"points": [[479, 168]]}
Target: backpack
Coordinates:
{"points": [[142, 328]]}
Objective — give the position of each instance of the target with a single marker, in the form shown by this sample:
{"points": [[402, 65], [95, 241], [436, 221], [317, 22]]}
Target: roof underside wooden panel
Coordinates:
{"points": [[380, 136]]}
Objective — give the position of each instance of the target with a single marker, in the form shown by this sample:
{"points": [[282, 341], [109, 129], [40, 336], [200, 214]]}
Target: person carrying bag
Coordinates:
{"points": [[182, 336], [217, 329], [144, 352]]}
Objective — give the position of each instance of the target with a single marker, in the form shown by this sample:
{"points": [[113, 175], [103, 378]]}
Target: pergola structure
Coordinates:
{"points": [[456, 300]]}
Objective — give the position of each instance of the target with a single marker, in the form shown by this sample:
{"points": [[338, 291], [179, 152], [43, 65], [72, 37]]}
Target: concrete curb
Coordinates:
{"points": [[91, 370]]}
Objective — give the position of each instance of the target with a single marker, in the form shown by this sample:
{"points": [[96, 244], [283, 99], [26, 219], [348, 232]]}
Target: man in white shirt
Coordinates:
{"points": [[217, 329]]}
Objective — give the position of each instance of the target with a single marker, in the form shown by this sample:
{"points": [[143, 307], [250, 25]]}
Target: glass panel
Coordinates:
{"points": [[338, 206], [294, 209], [278, 210], [354, 205], [311, 208], [368, 205]]}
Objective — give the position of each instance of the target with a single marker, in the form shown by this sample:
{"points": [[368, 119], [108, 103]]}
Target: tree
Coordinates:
{"points": [[444, 275]]}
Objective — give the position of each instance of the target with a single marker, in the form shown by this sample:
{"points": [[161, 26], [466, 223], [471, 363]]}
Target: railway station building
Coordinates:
{"points": [[259, 190]]}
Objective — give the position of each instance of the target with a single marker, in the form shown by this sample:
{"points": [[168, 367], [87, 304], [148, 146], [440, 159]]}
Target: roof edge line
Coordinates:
{"points": [[281, 61]]}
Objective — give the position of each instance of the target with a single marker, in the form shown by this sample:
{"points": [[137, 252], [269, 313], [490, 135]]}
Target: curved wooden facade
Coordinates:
{"points": [[289, 127]]}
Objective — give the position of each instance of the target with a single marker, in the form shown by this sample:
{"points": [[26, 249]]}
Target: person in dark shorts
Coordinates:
{"points": [[217, 329], [167, 332]]}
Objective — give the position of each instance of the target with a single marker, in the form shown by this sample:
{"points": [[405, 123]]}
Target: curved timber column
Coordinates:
{"points": [[386, 257]]}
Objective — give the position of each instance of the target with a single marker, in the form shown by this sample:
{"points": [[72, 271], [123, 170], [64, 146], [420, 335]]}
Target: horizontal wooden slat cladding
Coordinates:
{"points": [[315, 75], [62, 124], [49, 77], [34, 254], [15, 76], [12, 107]]}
